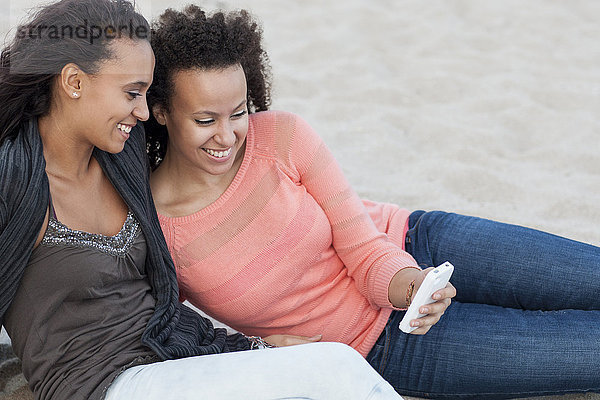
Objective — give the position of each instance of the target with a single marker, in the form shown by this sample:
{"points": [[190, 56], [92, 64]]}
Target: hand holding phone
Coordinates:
{"points": [[435, 280]]}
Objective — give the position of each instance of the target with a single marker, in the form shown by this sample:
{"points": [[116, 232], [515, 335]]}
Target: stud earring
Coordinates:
{"points": [[75, 94]]}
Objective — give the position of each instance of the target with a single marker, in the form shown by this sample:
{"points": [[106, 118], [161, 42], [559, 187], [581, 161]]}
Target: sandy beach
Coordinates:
{"points": [[481, 107]]}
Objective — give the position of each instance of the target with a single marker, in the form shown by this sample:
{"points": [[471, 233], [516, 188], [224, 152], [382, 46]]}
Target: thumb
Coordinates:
{"points": [[315, 338]]}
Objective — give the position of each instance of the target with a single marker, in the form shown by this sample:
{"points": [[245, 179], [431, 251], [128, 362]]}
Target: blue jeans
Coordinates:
{"points": [[525, 321]]}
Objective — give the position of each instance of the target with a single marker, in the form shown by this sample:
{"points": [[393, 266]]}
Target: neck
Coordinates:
{"points": [[176, 182], [66, 157], [187, 176]]}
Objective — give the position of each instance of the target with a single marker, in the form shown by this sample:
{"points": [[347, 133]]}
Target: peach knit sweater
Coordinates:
{"points": [[289, 248]]}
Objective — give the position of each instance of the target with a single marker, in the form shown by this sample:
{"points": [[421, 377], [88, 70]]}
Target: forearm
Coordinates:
{"points": [[399, 285]]}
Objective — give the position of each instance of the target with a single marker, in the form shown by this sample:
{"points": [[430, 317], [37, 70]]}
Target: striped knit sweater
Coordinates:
{"points": [[289, 247]]}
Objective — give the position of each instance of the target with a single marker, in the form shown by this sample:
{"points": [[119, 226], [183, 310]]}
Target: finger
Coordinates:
{"points": [[421, 331], [446, 293], [428, 320], [315, 338], [435, 308], [428, 270], [294, 340], [425, 272], [421, 277]]}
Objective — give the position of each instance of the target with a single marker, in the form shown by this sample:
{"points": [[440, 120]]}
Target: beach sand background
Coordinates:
{"points": [[482, 107]]}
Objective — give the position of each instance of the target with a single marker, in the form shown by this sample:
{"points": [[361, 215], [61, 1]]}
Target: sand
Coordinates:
{"points": [[488, 108]]}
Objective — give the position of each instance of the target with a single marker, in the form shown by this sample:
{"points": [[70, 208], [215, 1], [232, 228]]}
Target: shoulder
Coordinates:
{"points": [[286, 139], [276, 132], [21, 167], [272, 117], [24, 186], [280, 122]]}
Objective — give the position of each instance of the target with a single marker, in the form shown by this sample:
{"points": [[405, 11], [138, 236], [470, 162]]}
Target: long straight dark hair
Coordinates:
{"points": [[68, 31]]}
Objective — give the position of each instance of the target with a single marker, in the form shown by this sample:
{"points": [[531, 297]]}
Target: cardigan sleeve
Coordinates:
{"points": [[24, 195], [3, 213], [371, 259]]}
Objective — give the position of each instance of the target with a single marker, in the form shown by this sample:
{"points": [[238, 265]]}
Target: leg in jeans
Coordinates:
{"points": [[508, 265], [312, 371], [525, 322]]}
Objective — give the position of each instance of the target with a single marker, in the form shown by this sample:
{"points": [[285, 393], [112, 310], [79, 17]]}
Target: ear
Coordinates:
{"points": [[160, 114], [70, 80]]}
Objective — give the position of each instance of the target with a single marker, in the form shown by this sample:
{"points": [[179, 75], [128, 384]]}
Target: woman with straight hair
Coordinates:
{"points": [[88, 292]]}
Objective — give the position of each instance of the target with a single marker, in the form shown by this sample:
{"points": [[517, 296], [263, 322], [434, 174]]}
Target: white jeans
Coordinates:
{"points": [[315, 371]]}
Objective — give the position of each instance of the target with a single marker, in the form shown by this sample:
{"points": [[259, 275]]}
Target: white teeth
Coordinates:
{"points": [[218, 154], [124, 128]]}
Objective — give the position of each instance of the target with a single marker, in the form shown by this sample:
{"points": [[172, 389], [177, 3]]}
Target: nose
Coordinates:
{"points": [[141, 111], [225, 135]]}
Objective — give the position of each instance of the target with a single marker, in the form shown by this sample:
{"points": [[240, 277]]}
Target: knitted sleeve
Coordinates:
{"points": [[24, 194], [371, 259]]}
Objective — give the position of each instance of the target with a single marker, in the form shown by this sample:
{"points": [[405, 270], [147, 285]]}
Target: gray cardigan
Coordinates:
{"points": [[174, 331]]}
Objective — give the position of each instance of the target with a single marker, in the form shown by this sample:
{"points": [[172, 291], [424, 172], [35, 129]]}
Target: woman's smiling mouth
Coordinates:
{"points": [[218, 153], [124, 128]]}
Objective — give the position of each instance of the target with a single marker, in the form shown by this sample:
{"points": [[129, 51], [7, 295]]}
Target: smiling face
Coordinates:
{"points": [[207, 120], [111, 101]]}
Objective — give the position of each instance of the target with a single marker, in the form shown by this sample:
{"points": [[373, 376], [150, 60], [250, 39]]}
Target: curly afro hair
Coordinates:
{"points": [[191, 39]]}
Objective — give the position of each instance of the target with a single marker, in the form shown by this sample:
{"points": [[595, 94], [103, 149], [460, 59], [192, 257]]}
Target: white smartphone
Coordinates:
{"points": [[434, 281]]}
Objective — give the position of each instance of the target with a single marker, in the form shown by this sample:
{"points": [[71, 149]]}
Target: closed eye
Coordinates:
{"points": [[204, 121], [239, 114], [134, 95]]}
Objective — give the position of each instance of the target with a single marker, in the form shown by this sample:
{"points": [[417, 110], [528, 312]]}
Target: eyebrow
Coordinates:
{"points": [[214, 113], [138, 83]]}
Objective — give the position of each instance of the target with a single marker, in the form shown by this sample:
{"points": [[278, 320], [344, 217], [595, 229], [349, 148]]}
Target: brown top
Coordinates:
{"points": [[80, 310]]}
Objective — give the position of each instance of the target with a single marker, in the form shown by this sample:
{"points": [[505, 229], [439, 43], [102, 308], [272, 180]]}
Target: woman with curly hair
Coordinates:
{"points": [[89, 293], [267, 236]]}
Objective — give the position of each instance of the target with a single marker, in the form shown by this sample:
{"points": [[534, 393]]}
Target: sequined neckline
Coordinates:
{"points": [[118, 245]]}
